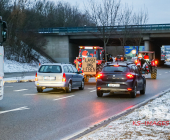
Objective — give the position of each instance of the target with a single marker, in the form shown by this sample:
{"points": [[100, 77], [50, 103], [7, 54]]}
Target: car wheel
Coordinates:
{"points": [[68, 89], [144, 88], [99, 93], [133, 93], [39, 89], [82, 85]]}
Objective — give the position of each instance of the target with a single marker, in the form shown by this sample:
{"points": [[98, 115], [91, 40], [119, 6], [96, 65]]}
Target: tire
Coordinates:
{"points": [[39, 89], [133, 93], [99, 93], [68, 89], [154, 74], [142, 92], [82, 85]]}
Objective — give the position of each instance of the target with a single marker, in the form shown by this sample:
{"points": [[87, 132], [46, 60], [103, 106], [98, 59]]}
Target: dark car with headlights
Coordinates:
{"points": [[120, 77]]}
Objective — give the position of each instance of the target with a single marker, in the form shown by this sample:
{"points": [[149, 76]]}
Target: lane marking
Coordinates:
{"points": [[92, 90], [166, 72], [21, 90], [160, 74], [17, 109], [29, 94], [8, 86], [64, 97]]}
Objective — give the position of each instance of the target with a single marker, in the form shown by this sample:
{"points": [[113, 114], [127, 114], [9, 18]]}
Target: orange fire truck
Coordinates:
{"points": [[90, 61]]}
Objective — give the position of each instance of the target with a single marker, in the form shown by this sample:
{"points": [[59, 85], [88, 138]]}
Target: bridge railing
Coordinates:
{"points": [[147, 27]]}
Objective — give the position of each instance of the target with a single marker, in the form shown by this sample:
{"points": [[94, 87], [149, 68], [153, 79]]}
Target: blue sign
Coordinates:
{"points": [[128, 50]]}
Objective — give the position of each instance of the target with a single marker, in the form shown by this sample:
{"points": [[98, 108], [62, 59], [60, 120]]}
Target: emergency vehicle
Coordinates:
{"points": [[90, 61]]}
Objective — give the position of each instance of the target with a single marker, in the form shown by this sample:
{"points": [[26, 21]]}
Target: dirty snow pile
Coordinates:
{"points": [[14, 66], [149, 122]]}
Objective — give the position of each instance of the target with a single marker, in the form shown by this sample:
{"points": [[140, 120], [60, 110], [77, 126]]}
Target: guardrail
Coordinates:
{"points": [[148, 27]]}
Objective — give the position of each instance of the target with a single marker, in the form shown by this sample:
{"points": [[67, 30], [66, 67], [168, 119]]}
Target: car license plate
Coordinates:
{"points": [[49, 78], [113, 85]]}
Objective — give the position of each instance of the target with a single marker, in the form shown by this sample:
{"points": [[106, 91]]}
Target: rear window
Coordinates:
{"points": [[50, 69], [115, 69]]}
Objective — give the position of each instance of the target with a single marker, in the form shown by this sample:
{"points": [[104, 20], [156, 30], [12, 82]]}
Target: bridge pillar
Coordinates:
{"points": [[147, 46], [147, 43], [58, 48]]}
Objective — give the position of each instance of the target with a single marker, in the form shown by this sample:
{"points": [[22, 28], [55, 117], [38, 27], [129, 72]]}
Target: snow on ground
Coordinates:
{"points": [[20, 78], [149, 122], [14, 66]]}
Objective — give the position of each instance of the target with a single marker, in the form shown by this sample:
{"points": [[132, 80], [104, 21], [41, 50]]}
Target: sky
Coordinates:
{"points": [[158, 10]]}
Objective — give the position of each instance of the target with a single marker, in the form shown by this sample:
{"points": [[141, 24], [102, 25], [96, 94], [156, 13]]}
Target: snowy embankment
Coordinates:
{"points": [[14, 66], [149, 122]]}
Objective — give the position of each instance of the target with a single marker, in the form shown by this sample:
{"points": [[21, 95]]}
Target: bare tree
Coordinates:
{"points": [[139, 19], [130, 32], [105, 15]]}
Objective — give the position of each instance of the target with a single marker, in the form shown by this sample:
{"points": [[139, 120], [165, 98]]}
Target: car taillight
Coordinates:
{"points": [[116, 65], [98, 88], [129, 89], [99, 76], [121, 58], [129, 76], [146, 66], [64, 77], [36, 78]]}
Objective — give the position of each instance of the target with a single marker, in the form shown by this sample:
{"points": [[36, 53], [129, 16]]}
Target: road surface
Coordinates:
{"points": [[53, 114]]}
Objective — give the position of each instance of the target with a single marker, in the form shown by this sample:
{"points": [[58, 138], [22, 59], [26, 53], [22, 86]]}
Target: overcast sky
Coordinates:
{"points": [[158, 10]]}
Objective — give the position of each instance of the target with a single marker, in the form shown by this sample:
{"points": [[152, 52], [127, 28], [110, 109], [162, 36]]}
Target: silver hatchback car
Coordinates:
{"points": [[58, 75]]}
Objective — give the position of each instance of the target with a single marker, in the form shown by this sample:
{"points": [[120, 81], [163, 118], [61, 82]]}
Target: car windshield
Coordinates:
{"points": [[50, 69], [88, 53], [115, 69]]}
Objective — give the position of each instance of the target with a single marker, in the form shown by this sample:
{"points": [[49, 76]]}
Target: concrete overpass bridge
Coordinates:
{"points": [[62, 43]]}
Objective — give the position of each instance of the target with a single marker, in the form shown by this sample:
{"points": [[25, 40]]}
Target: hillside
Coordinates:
{"points": [[14, 66]]}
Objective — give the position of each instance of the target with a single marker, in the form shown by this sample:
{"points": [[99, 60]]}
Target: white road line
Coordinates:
{"points": [[8, 86], [160, 74], [21, 90], [17, 109], [92, 90], [29, 94], [166, 72], [64, 97]]}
